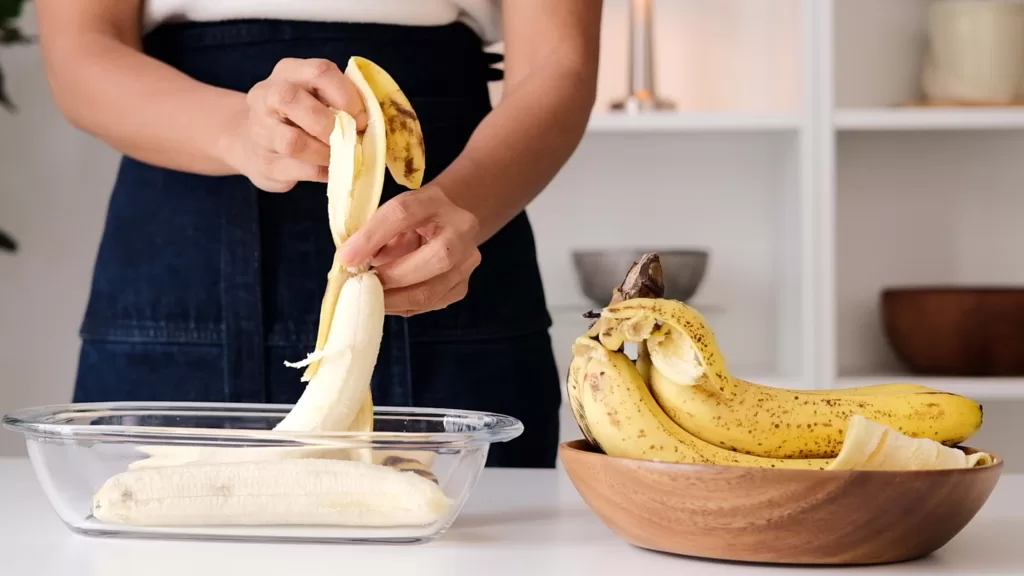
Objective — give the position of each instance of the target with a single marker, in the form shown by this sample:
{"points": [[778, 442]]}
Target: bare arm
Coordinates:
{"points": [[105, 85], [551, 56]]}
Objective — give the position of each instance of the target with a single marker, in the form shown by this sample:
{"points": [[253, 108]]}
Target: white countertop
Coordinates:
{"points": [[517, 522]]}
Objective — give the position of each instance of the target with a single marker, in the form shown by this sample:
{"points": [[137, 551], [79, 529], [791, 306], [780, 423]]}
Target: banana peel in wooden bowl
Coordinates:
{"points": [[682, 457]]}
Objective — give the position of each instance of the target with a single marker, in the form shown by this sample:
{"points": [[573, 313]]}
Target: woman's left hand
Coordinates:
{"points": [[423, 247]]}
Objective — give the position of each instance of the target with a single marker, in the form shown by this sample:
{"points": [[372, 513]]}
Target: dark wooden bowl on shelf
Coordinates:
{"points": [[956, 331], [767, 515]]}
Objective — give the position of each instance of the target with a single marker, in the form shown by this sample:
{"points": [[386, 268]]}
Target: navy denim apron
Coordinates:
{"points": [[204, 286]]}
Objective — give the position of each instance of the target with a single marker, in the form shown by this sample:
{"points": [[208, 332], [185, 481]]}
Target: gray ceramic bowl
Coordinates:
{"points": [[599, 272]]}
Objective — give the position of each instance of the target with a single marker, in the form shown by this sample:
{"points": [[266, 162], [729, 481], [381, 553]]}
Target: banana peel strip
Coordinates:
{"points": [[869, 445]]}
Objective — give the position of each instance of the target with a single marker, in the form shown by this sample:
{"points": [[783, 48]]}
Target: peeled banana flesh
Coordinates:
{"points": [[271, 492], [677, 402], [313, 484]]}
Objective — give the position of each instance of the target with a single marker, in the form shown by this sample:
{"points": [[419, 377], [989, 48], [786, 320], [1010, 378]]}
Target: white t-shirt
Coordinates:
{"points": [[484, 16]]}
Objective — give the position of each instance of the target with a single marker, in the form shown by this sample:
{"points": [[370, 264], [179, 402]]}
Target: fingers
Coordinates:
{"points": [[438, 293], [290, 169], [403, 244], [289, 142], [324, 80], [287, 101], [286, 138], [403, 213], [435, 258], [281, 174]]}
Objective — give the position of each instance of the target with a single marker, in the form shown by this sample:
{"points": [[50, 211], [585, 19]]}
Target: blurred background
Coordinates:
{"points": [[808, 156]]}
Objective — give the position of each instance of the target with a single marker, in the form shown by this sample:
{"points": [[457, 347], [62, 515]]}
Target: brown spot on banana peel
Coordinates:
{"points": [[402, 119]]}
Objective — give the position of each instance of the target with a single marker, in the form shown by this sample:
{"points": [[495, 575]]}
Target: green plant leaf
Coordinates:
{"points": [[9, 34], [5, 100], [10, 9], [7, 243]]}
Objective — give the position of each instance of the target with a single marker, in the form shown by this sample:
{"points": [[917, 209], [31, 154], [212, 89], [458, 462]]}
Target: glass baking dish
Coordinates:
{"points": [[75, 449]]}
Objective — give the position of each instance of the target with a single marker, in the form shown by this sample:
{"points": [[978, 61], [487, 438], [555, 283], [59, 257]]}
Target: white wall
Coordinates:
{"points": [[54, 185]]}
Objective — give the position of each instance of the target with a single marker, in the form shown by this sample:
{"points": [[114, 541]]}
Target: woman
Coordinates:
{"points": [[216, 247]]}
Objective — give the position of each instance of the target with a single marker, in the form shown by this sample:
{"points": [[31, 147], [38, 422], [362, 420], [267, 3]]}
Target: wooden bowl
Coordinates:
{"points": [[956, 331], [778, 516]]}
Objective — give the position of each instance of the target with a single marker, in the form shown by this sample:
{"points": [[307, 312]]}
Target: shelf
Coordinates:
{"points": [[577, 310], [977, 388], [612, 122], [920, 119]]}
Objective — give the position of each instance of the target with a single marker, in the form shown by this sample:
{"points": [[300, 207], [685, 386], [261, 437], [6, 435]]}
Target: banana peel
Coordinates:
{"points": [[870, 445]]}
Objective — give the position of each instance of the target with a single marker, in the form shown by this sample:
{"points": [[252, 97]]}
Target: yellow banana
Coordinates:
{"points": [[690, 380], [615, 401], [882, 389], [617, 413]]}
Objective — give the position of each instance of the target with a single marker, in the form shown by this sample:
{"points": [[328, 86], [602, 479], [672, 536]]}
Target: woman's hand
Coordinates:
{"points": [[283, 137], [423, 247]]}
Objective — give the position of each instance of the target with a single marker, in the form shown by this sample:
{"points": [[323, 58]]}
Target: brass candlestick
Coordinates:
{"points": [[641, 63]]}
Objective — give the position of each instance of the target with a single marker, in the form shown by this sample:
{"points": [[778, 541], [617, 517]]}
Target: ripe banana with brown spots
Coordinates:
{"points": [[620, 407], [618, 415], [691, 382]]}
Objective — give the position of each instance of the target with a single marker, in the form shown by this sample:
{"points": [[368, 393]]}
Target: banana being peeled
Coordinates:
{"points": [[625, 408], [339, 370], [312, 492]]}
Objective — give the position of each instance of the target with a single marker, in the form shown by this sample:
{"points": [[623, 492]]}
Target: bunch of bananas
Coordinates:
{"points": [[677, 401]]}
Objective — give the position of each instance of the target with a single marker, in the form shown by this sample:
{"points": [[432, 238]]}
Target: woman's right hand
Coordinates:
{"points": [[283, 136]]}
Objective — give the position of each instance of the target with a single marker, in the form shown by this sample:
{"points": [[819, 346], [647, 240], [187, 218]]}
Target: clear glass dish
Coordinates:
{"points": [[76, 448]]}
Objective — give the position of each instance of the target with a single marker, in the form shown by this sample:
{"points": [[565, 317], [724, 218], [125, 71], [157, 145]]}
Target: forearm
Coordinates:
{"points": [[520, 146], [143, 107]]}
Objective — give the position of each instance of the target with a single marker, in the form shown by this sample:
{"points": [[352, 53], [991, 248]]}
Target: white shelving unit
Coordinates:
{"points": [[601, 123], [928, 119], [795, 160]]}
